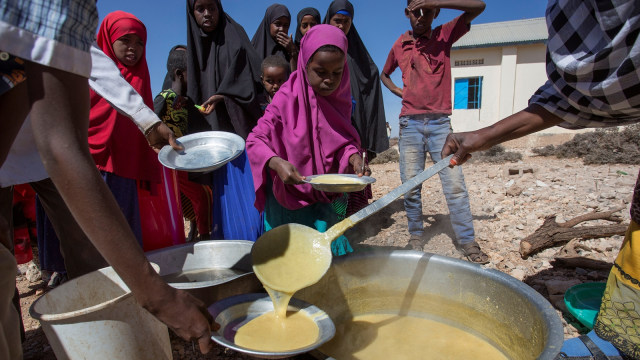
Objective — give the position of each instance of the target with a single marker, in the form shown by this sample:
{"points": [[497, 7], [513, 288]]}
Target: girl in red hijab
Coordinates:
{"points": [[119, 149]]}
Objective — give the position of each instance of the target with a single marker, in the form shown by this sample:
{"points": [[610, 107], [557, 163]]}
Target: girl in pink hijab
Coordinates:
{"points": [[307, 130]]}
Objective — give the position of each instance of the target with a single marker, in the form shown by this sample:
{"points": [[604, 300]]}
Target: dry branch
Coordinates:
{"points": [[552, 233], [569, 256], [581, 262]]}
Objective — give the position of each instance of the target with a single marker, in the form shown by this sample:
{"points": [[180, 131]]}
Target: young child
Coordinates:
{"points": [[368, 116], [368, 111], [272, 36], [224, 77], [121, 153], [175, 109], [306, 130], [275, 71], [307, 18], [423, 57]]}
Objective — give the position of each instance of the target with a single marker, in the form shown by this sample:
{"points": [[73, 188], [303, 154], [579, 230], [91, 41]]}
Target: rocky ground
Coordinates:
{"points": [[506, 208]]}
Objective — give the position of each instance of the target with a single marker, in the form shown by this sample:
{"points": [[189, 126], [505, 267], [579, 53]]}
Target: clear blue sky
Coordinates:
{"points": [[378, 22]]}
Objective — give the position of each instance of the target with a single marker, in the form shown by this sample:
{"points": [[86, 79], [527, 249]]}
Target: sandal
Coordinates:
{"points": [[414, 244], [473, 253]]}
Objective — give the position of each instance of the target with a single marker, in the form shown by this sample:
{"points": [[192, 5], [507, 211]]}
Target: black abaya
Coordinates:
{"points": [[369, 117], [223, 62]]}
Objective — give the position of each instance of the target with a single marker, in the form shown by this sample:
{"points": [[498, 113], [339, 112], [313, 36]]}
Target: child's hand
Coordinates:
{"points": [[211, 103], [286, 171], [286, 42], [356, 162]]}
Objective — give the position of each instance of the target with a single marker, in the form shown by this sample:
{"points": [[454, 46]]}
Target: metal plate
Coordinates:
{"points": [[204, 151], [349, 184], [233, 312]]}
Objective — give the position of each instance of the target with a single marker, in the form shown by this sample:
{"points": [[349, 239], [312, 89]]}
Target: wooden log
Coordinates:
{"points": [[551, 233], [581, 262]]}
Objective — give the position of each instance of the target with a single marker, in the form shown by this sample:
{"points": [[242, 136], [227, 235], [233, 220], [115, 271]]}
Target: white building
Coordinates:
{"points": [[495, 68]]}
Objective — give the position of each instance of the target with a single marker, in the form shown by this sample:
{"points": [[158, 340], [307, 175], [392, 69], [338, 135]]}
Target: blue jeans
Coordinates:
{"points": [[419, 135]]}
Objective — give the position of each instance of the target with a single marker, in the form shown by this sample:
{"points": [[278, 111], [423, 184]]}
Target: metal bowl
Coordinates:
{"points": [[203, 151], [494, 306], [233, 312], [349, 184], [209, 270]]}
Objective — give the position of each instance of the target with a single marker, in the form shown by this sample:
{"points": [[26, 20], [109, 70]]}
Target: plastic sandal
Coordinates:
{"points": [[473, 253]]}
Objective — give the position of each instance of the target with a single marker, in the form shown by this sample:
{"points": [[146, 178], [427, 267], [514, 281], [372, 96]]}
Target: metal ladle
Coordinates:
{"points": [[291, 257]]}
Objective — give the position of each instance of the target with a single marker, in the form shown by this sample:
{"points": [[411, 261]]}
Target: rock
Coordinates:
{"points": [[541, 184], [22, 269], [592, 205], [496, 258], [518, 274], [581, 271], [33, 274], [514, 191], [558, 302], [559, 287], [608, 195]]}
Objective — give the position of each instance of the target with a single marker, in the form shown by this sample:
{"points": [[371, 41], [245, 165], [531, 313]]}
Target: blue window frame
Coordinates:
{"points": [[468, 93]]}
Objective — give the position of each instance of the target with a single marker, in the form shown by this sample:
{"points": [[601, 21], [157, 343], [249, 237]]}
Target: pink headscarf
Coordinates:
{"points": [[312, 132]]}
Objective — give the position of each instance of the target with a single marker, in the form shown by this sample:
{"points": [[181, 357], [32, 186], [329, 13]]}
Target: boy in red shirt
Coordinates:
{"points": [[423, 57]]}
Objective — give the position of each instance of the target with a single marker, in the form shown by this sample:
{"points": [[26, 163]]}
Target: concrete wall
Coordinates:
{"points": [[511, 74], [468, 120]]}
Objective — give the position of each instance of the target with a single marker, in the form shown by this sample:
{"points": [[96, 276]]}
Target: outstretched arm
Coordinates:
{"points": [[471, 8], [62, 99], [528, 121], [107, 82]]}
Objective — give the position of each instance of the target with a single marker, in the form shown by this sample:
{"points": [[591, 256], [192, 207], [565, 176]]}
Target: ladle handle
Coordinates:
{"points": [[400, 190]]}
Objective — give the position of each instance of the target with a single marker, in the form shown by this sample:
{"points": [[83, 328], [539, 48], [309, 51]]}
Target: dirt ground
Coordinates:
{"points": [[506, 208]]}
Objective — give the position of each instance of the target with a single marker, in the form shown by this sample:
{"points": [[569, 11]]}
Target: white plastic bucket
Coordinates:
{"points": [[95, 316]]}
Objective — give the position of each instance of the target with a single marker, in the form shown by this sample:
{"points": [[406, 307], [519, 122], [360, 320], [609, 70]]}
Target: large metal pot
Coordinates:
{"points": [[230, 258], [504, 311]]}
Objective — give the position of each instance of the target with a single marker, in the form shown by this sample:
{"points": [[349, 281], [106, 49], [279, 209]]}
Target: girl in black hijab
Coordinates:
{"points": [[224, 69], [307, 18], [224, 76], [368, 116], [272, 36]]}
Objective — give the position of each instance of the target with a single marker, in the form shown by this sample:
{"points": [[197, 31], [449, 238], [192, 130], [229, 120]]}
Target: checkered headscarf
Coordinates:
{"points": [[593, 63]]}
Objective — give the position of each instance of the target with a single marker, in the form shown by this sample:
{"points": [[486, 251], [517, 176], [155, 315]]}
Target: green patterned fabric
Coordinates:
{"points": [[339, 205], [319, 216]]}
